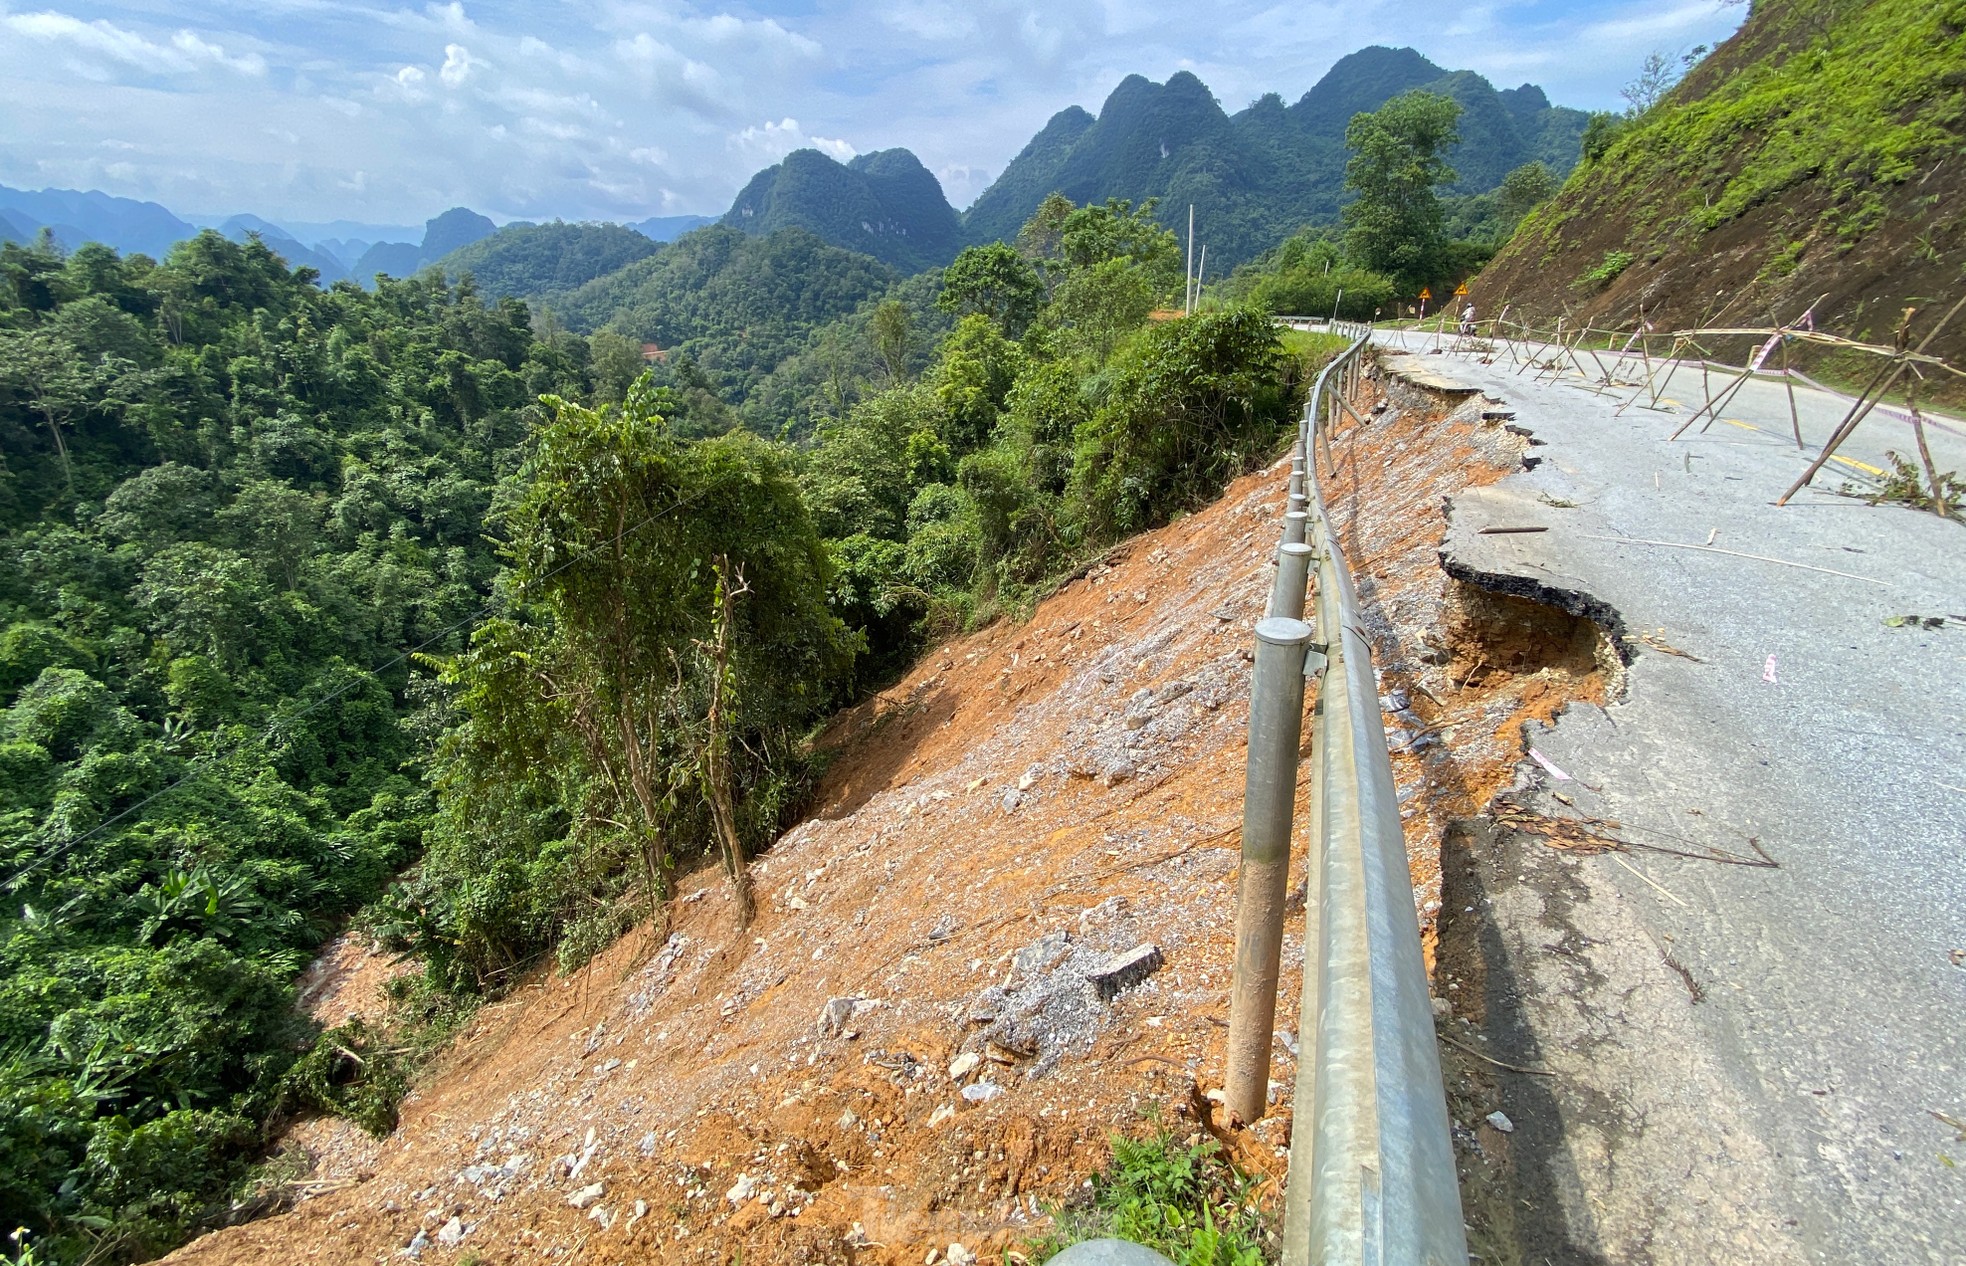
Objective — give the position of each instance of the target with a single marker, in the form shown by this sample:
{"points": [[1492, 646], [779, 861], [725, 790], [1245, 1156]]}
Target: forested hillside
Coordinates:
{"points": [[1254, 177], [545, 260], [736, 305], [884, 204], [1812, 162], [232, 508]]}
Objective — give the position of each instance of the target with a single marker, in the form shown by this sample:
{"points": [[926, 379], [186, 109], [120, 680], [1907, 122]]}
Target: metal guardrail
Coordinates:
{"points": [[1372, 1177]]}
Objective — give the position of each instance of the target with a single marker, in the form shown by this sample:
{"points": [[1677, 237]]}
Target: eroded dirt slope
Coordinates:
{"points": [[903, 1052]]}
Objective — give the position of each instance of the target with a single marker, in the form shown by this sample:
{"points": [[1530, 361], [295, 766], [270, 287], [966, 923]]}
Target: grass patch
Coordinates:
{"points": [[1608, 269], [1312, 348], [1186, 1202]]}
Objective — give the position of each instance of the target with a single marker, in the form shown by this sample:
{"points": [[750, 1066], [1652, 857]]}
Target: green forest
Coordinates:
{"points": [[414, 608]]}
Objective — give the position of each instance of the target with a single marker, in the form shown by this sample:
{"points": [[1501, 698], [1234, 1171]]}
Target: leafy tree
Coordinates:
{"points": [[1116, 229], [1523, 190], [1042, 239], [1190, 402], [1656, 76], [893, 334], [994, 282], [644, 699], [1099, 305], [1393, 226], [864, 472], [972, 381], [616, 363], [1600, 133]]}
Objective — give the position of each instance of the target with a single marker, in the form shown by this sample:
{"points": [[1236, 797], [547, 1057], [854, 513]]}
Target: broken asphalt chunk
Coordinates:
{"points": [[1126, 971]]}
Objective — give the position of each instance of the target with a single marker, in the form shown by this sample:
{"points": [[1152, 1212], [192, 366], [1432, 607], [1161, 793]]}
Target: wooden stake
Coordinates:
{"points": [[1941, 505], [1788, 381], [1857, 411]]}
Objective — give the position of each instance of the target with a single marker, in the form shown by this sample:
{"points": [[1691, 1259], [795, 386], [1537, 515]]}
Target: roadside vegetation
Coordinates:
{"points": [[1185, 1200]]}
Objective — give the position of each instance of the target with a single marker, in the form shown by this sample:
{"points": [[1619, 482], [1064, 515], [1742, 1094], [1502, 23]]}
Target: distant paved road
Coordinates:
{"points": [[1785, 1116]]}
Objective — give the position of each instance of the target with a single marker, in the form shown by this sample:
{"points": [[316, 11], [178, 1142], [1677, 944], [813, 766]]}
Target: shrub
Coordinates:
{"points": [[1188, 1203], [1190, 404]]}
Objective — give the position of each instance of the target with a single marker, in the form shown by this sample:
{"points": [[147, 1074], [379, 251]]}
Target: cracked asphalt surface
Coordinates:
{"points": [[1747, 1059]]}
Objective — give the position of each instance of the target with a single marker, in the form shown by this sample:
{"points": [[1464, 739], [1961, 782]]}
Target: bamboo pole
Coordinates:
{"points": [[1858, 410]]}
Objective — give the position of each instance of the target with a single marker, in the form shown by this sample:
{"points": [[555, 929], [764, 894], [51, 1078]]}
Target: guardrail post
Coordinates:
{"points": [[1292, 582], [1276, 720], [1293, 527]]}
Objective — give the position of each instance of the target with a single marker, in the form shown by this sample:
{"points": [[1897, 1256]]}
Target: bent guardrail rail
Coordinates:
{"points": [[1372, 1176]]}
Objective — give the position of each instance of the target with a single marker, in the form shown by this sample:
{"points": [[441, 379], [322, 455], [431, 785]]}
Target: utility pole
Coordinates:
{"points": [[1188, 288]]}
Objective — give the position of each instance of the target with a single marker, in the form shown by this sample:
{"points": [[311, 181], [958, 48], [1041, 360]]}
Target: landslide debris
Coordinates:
{"points": [[1005, 934]]}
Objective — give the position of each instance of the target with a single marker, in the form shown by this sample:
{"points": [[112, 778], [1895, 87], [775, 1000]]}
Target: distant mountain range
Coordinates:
{"points": [[1253, 177], [338, 250], [77, 217]]}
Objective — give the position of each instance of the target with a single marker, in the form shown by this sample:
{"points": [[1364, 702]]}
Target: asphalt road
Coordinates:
{"points": [[1748, 1059]]}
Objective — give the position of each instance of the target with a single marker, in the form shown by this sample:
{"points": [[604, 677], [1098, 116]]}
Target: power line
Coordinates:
{"points": [[64, 849]]}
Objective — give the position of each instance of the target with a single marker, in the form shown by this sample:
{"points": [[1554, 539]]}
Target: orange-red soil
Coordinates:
{"points": [[1080, 773]]}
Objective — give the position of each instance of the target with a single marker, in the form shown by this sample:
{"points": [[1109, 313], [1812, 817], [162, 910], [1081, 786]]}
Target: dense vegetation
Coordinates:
{"points": [[736, 306], [530, 261], [1187, 1202], [316, 601], [232, 503]]}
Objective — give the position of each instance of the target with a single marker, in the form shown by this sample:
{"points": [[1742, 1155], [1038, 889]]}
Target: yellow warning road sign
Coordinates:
{"points": [[1461, 290], [1426, 293]]}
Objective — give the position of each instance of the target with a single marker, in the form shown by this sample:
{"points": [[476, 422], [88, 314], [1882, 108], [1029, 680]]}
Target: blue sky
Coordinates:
{"points": [[620, 109]]}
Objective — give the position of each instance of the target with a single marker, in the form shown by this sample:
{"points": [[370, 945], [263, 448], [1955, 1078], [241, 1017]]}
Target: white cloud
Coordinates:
{"points": [[769, 142], [457, 67], [183, 52]]}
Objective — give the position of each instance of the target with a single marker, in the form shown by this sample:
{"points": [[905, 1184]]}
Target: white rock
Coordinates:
{"points": [[959, 1255], [835, 1015], [963, 1065], [586, 1195], [743, 1189], [1501, 1122], [941, 1114], [982, 1092], [450, 1233]]}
